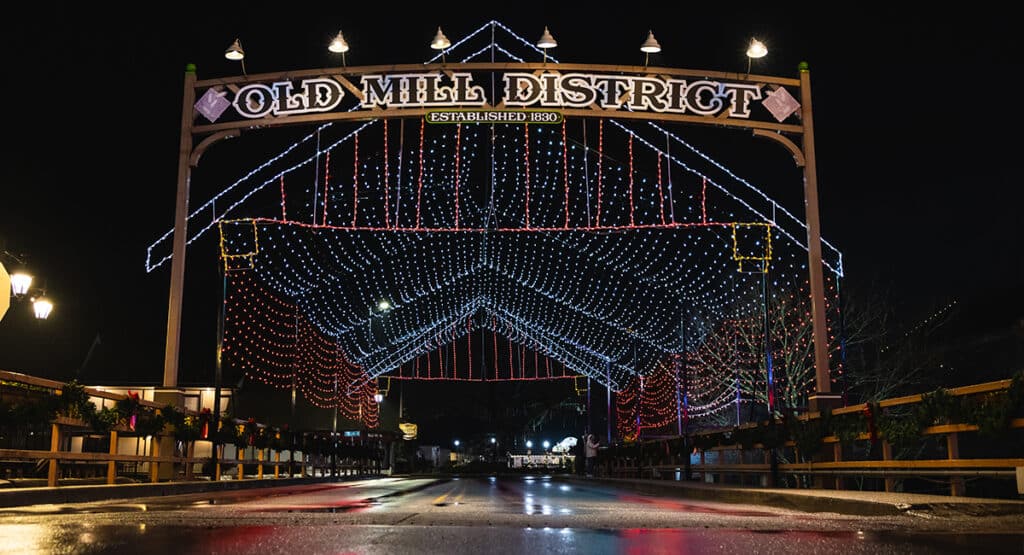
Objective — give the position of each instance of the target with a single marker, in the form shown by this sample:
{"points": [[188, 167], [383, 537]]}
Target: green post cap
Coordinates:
{"points": [[190, 68], [803, 66]]}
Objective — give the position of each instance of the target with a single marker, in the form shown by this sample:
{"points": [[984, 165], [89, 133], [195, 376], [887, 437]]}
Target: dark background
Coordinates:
{"points": [[915, 125]]}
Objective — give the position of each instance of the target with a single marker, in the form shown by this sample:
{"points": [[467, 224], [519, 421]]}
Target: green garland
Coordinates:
{"points": [[807, 435], [103, 420], [848, 427], [150, 423], [939, 407], [900, 429], [74, 401], [992, 414]]}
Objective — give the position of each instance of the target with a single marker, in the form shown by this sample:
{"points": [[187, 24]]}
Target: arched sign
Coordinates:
{"points": [[499, 93]]}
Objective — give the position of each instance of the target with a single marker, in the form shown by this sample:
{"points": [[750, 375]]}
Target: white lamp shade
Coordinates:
{"points": [[440, 41], [339, 44], [757, 49], [42, 308], [650, 45], [546, 40], [377, 398], [234, 52], [20, 282]]}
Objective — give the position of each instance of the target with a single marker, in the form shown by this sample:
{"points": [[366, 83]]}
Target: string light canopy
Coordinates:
{"points": [[600, 247]]}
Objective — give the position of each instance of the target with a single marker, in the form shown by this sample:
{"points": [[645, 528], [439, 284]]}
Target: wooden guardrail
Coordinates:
{"points": [[182, 465], [665, 457]]}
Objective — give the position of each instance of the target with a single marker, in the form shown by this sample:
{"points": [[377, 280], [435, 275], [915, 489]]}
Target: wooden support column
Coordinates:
{"points": [[241, 466], [890, 483], [112, 465], [277, 459], [53, 471], [216, 469], [837, 456], [190, 452], [259, 465], [957, 488], [154, 453]]}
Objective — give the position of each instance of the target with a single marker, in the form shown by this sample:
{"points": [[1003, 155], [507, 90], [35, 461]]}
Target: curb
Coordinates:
{"points": [[805, 501], [19, 497]]}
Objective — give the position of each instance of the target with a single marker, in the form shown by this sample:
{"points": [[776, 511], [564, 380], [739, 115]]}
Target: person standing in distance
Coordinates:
{"points": [[590, 451]]}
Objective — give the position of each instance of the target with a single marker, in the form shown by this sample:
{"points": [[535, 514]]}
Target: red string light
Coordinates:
{"points": [[600, 160], [661, 194], [387, 190], [458, 143], [632, 223], [284, 214], [703, 200], [419, 189], [327, 181], [355, 180], [565, 173]]}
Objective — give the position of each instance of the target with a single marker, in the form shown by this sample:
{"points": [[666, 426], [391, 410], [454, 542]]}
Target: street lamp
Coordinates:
{"points": [[20, 282], [21, 288], [377, 398], [42, 307], [546, 41], [236, 54], [546, 444], [757, 49], [650, 46], [339, 45], [456, 443], [441, 43]]}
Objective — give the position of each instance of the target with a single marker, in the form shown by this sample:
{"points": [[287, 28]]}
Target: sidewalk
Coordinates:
{"points": [[865, 503], [22, 496]]}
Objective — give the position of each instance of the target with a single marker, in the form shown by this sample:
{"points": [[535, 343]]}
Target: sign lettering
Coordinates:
{"points": [[518, 91]]}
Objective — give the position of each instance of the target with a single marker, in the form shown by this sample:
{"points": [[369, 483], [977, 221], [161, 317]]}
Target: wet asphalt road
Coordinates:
{"points": [[479, 515]]}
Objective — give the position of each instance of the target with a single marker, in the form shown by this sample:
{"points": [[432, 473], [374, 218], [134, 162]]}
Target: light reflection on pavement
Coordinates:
{"points": [[477, 515]]}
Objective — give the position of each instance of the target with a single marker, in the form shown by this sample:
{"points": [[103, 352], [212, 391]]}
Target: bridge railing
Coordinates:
{"points": [[949, 435], [132, 453]]}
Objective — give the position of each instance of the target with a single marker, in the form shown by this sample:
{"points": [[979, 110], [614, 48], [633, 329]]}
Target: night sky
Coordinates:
{"points": [[915, 127]]}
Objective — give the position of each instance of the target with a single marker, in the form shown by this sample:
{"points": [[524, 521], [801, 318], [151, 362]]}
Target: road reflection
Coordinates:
{"points": [[473, 515], [309, 540]]}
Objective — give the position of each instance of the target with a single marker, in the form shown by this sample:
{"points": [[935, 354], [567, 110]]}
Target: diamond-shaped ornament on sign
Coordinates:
{"points": [[212, 104], [780, 103]]}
